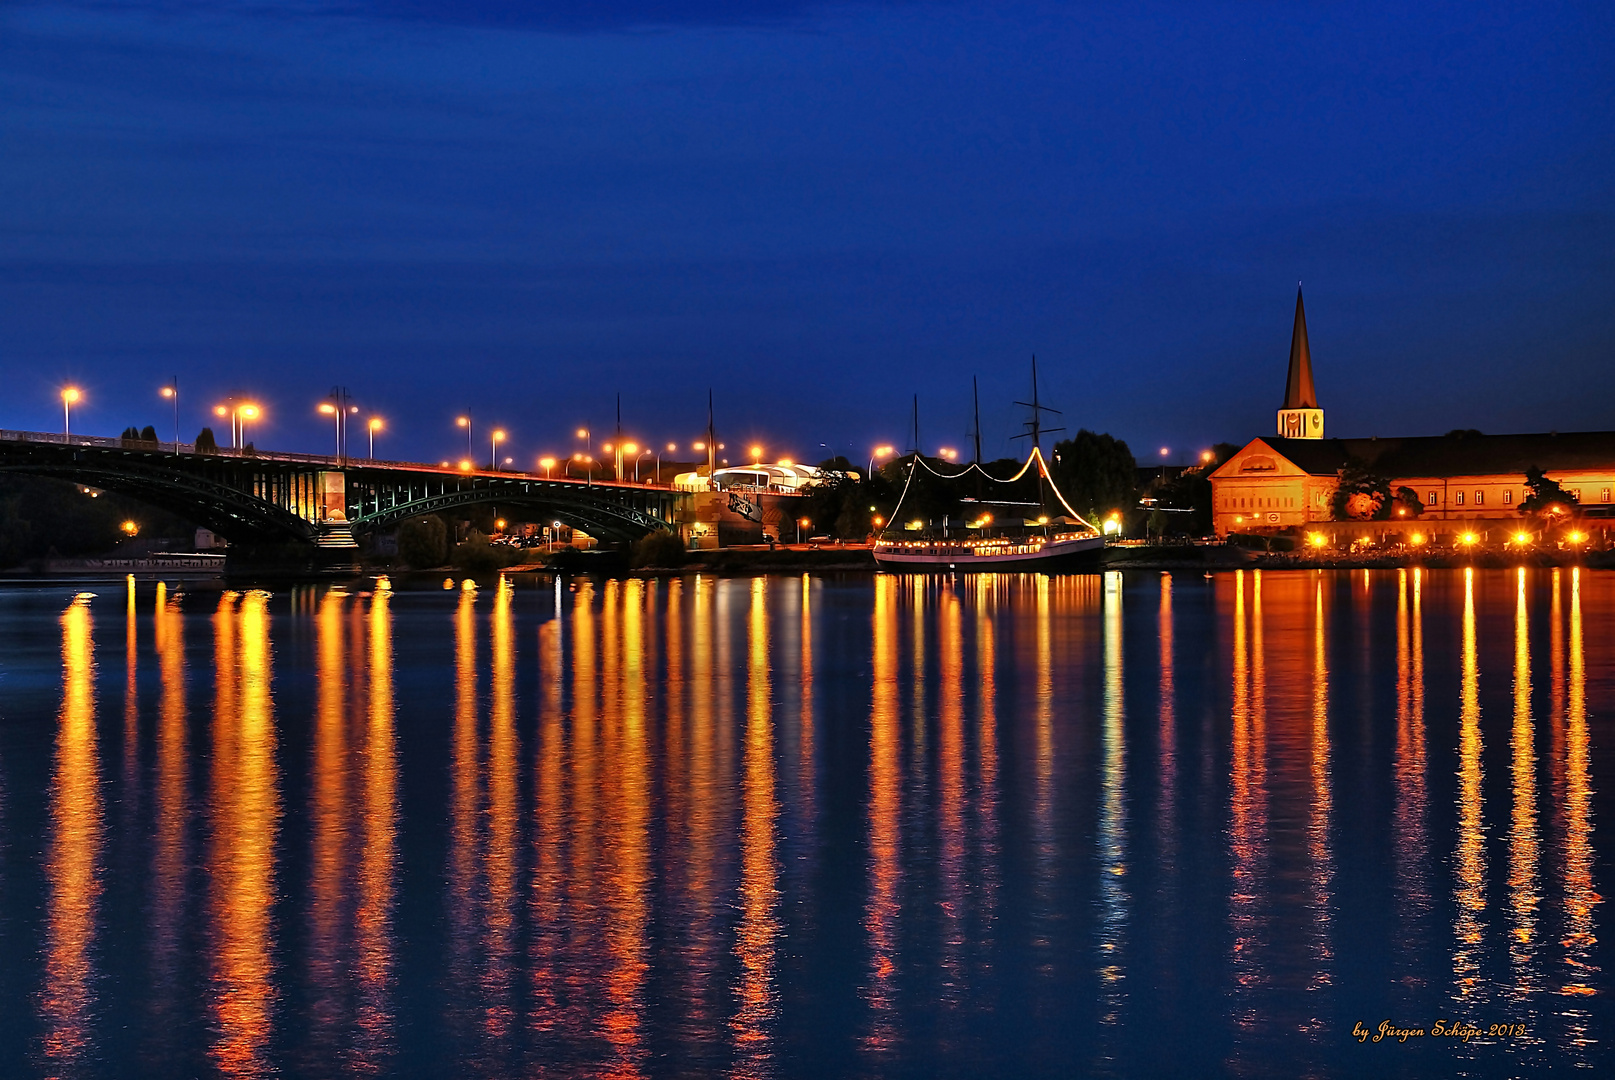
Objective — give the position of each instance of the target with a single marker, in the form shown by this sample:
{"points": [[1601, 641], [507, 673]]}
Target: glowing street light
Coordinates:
{"points": [[756, 454], [465, 466], [1522, 538], [546, 463], [802, 523], [1468, 539], [1317, 539], [1577, 537], [171, 391], [493, 448], [877, 453], [948, 453], [70, 397], [1206, 457], [328, 408], [130, 528], [1418, 539], [244, 413], [374, 426]]}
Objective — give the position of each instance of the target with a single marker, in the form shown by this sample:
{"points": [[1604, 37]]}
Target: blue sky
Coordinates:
{"points": [[816, 210]]}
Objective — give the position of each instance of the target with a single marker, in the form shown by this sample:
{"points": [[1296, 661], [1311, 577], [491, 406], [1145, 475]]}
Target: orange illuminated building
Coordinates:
{"points": [[1287, 481]]}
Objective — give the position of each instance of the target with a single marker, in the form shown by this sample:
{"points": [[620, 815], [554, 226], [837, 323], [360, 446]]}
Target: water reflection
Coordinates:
{"points": [[245, 812], [1580, 934], [72, 862], [1469, 886], [759, 925], [789, 827]]}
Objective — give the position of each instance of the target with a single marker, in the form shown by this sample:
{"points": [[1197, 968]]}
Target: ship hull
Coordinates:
{"points": [[1058, 557]]}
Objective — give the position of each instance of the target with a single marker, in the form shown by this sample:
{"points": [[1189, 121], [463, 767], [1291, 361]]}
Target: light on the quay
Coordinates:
{"points": [[1418, 538], [1468, 538], [1522, 538], [1043, 519], [1577, 537], [130, 528], [1317, 539], [500, 524], [949, 453]]}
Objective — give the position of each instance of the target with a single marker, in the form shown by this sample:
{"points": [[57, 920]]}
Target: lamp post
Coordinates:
{"points": [[70, 397], [171, 391], [801, 523], [877, 452], [375, 425], [329, 409], [465, 422], [546, 463], [493, 448], [247, 411], [643, 454]]}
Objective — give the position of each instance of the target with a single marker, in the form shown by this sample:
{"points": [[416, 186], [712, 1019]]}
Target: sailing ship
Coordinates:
{"points": [[1046, 544]]}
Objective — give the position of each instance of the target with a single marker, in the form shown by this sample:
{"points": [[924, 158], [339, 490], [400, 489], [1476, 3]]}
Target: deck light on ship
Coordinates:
{"points": [[1043, 519]]}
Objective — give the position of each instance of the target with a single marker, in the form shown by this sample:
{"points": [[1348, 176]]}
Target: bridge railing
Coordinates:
{"points": [[324, 460]]}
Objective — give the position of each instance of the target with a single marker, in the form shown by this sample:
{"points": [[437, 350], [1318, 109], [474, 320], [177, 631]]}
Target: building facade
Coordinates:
{"points": [[1288, 481]]}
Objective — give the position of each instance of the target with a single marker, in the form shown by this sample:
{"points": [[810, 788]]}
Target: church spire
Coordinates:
{"points": [[1299, 416], [1298, 390]]}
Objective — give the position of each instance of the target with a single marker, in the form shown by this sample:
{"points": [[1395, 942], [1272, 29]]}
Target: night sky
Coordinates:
{"points": [[816, 210]]}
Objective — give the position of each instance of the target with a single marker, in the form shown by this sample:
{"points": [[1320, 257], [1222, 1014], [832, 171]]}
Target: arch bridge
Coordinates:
{"points": [[250, 497]]}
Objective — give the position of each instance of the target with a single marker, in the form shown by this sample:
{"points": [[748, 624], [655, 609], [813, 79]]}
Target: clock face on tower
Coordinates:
{"points": [[1300, 423]]}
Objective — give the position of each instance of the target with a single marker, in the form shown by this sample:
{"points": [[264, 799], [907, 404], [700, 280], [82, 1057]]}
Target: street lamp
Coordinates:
{"points": [[802, 523], [949, 453], [877, 452], [375, 425], [546, 463], [171, 391], [493, 449], [329, 409], [246, 412], [465, 422], [641, 456], [70, 397]]}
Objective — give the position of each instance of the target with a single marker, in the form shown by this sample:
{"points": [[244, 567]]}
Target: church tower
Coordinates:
{"points": [[1300, 417]]}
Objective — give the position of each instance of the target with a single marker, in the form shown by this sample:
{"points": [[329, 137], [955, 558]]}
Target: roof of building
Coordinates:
{"points": [[1299, 392], [1454, 455]]}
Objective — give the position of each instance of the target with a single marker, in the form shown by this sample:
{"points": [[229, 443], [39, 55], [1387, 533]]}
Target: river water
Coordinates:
{"points": [[1141, 825]]}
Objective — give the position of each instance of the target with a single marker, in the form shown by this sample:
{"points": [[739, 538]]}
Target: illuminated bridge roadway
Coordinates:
{"points": [[254, 498]]}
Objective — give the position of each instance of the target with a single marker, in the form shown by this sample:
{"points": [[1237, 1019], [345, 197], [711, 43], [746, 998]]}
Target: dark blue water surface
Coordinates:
{"points": [[802, 826]]}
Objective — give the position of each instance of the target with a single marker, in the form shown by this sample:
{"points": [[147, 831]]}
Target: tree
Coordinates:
{"points": [[131, 433], [1096, 473], [423, 542], [205, 443], [1544, 496], [1189, 490], [1406, 503], [1361, 494], [148, 434], [660, 549]]}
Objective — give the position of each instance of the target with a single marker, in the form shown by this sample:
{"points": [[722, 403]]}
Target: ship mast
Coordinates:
{"points": [[1036, 430]]}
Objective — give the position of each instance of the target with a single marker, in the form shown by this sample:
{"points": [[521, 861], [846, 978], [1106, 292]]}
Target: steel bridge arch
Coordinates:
{"points": [[237, 515], [601, 515]]}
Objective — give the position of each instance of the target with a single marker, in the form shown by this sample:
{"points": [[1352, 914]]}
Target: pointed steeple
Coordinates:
{"points": [[1298, 390]]}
